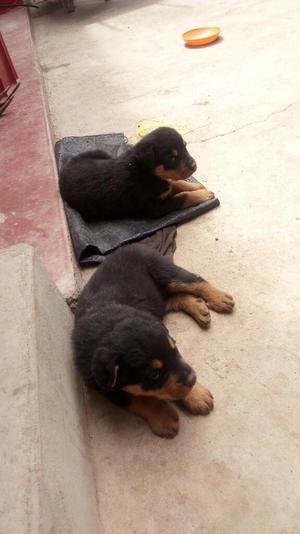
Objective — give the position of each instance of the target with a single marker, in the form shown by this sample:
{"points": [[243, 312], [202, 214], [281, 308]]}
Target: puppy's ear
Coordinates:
{"points": [[145, 156], [104, 371]]}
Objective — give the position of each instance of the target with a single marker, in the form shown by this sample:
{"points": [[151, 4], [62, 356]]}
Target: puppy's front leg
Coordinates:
{"points": [[169, 202], [178, 186], [162, 417], [193, 198]]}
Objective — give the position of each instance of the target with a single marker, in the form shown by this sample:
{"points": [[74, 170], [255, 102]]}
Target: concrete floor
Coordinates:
{"points": [[106, 67]]}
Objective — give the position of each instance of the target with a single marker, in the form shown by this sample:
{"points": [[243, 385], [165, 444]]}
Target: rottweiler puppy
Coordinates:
{"points": [[122, 347], [147, 181]]}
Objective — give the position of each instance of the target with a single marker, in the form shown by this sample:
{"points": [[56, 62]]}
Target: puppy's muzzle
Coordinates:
{"points": [[188, 377], [188, 168], [192, 165]]}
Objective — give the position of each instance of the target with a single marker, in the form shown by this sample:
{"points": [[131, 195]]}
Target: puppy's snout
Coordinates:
{"points": [[192, 165], [190, 380]]}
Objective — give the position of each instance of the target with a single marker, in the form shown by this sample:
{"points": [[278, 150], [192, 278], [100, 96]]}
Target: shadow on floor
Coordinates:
{"points": [[88, 10]]}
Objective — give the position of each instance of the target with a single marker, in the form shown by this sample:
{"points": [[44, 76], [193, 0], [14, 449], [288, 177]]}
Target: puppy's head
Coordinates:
{"points": [[163, 153], [142, 359]]}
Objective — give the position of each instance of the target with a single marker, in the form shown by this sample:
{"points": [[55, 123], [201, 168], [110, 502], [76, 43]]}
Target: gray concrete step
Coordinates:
{"points": [[46, 473]]}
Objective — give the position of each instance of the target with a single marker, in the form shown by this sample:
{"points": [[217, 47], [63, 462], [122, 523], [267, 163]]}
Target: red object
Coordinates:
{"points": [[31, 210], [4, 9], [9, 81]]}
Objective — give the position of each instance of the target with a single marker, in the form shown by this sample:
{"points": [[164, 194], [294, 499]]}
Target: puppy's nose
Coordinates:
{"points": [[193, 165], [188, 376], [190, 380]]}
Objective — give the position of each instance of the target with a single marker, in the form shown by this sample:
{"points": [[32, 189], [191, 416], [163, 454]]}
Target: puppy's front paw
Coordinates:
{"points": [[199, 401], [203, 195], [200, 186], [193, 198], [166, 422], [195, 186]]}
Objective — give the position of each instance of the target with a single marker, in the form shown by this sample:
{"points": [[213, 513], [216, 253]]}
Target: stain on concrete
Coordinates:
{"points": [[46, 68]]}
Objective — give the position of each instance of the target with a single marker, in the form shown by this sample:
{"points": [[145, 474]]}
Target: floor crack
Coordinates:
{"points": [[259, 121]]}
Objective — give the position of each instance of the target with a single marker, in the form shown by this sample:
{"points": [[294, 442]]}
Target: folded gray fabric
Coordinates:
{"points": [[93, 241]]}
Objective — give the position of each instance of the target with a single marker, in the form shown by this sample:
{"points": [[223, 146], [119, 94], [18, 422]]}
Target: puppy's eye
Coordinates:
{"points": [[155, 374]]}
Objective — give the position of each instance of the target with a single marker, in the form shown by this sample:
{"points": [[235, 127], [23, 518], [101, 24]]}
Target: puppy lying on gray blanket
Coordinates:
{"points": [[148, 181]]}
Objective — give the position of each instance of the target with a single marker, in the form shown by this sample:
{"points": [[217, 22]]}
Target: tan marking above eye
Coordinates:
{"points": [[156, 364], [175, 152]]}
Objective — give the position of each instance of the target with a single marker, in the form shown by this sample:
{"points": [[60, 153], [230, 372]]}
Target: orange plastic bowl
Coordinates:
{"points": [[201, 36]]}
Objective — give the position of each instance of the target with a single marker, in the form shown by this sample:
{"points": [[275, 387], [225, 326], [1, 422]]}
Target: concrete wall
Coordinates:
{"points": [[46, 472]]}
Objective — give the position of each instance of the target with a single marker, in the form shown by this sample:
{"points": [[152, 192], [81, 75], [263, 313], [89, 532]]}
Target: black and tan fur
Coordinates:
{"points": [[148, 181], [122, 347]]}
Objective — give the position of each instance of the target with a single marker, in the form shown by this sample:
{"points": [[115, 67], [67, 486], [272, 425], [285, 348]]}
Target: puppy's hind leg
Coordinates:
{"points": [[215, 299], [174, 280], [193, 306]]}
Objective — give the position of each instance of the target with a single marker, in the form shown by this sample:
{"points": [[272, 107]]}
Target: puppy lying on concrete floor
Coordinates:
{"points": [[148, 181], [123, 349]]}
